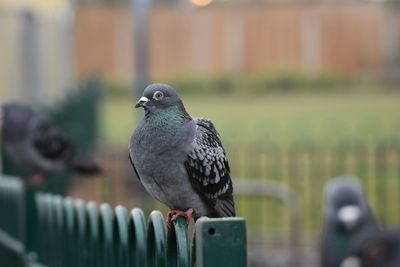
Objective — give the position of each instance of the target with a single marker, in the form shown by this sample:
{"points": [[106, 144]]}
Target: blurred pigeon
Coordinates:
{"points": [[347, 220], [379, 250], [180, 159], [35, 144]]}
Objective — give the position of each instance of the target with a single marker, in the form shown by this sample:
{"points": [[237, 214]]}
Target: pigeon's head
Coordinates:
{"points": [[15, 118], [158, 96], [345, 203]]}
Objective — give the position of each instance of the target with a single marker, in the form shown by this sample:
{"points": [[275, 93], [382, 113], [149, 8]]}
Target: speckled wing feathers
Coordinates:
{"points": [[208, 168]]}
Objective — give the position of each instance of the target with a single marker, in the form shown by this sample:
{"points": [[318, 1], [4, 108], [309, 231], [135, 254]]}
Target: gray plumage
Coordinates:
{"points": [[180, 159], [37, 145], [348, 219]]}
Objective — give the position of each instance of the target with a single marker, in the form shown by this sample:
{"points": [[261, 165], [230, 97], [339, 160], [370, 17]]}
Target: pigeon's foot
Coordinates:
{"points": [[173, 215], [35, 180]]}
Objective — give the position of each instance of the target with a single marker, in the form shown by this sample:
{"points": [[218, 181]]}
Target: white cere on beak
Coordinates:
{"points": [[141, 102], [143, 99], [351, 262], [349, 215]]}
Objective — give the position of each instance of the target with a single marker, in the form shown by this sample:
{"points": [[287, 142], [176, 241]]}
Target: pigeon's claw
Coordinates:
{"points": [[173, 216]]}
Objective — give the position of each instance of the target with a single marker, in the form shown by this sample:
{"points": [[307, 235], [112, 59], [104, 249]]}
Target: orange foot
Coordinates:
{"points": [[173, 215]]}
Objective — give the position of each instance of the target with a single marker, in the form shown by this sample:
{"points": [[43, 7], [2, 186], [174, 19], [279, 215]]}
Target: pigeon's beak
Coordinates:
{"points": [[142, 101], [349, 215]]}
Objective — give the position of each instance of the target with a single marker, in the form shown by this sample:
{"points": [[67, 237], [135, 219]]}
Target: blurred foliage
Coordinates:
{"points": [[287, 80]]}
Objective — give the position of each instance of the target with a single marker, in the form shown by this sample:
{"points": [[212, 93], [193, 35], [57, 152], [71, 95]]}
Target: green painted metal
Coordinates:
{"points": [[12, 204], [178, 253], [106, 235], [12, 252], [137, 235], [81, 234], [156, 240], [55, 204], [70, 226], [121, 236], [94, 233], [74, 233], [221, 242]]}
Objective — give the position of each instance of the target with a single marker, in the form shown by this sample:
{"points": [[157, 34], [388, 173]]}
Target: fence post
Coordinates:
{"points": [[221, 242]]}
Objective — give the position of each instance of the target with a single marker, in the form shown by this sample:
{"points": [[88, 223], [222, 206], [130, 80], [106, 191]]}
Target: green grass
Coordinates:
{"points": [[254, 121]]}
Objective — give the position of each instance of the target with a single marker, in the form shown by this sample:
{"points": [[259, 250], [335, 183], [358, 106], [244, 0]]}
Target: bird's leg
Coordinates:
{"points": [[173, 215], [36, 179]]}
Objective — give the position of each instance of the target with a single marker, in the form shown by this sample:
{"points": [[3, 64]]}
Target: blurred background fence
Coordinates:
{"points": [[44, 46], [237, 38]]}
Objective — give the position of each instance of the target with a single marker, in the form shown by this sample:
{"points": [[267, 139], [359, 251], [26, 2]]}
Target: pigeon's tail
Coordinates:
{"points": [[225, 207], [84, 165]]}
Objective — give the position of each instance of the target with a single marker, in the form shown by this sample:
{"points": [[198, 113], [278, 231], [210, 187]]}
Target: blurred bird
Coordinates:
{"points": [[347, 220], [379, 250], [35, 144], [180, 159]]}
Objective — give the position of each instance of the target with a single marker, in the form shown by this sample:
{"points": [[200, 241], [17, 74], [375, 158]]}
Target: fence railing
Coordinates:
{"points": [[72, 232], [12, 207]]}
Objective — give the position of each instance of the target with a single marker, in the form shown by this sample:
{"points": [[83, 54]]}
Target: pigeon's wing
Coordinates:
{"points": [[50, 142], [133, 166], [208, 169]]}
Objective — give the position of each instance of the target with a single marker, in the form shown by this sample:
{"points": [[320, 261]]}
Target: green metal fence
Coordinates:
{"points": [[12, 207], [72, 232], [12, 252]]}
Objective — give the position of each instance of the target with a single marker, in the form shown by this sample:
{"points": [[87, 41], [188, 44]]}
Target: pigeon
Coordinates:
{"points": [[35, 144], [347, 220], [379, 250], [180, 159]]}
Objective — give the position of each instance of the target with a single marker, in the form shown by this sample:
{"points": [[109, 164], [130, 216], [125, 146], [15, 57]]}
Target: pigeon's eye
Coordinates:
{"points": [[158, 95]]}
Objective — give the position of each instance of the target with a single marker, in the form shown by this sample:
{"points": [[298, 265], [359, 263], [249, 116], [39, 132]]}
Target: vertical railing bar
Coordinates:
{"points": [[107, 217], [80, 232], [137, 239], [121, 235], [69, 231], [93, 226], [156, 240], [182, 243], [50, 229], [58, 227]]}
